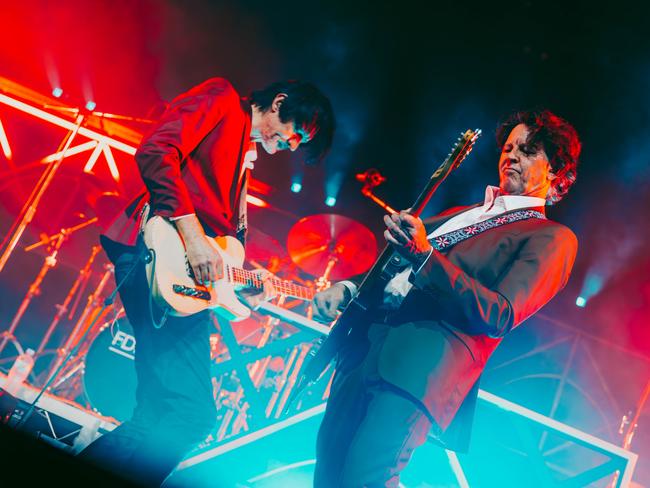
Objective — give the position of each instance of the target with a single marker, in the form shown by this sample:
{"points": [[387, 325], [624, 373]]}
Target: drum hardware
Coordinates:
{"points": [[34, 289], [69, 382], [79, 285], [88, 317], [54, 244]]}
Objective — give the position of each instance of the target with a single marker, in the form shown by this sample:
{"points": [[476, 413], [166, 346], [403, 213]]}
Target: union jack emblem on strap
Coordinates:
{"points": [[452, 238]]}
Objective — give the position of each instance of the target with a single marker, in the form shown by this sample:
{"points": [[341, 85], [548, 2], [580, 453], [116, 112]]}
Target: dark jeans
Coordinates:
{"points": [[175, 408], [368, 434]]}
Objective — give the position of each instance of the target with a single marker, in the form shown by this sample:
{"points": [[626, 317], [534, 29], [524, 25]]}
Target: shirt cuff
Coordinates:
{"points": [[351, 287], [171, 219]]}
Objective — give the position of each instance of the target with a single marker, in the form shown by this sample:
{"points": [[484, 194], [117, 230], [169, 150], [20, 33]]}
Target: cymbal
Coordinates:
{"points": [[315, 240], [264, 250]]}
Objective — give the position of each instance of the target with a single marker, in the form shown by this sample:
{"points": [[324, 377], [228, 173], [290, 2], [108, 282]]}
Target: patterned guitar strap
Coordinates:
{"points": [[445, 241]]}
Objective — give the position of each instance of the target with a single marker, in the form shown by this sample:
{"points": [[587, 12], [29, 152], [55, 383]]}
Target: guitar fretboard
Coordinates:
{"points": [[243, 277]]}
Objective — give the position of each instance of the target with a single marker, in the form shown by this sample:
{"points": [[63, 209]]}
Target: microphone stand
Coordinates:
{"points": [[372, 178]]}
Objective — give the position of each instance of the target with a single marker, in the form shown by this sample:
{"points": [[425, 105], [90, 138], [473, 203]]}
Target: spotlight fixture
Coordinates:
{"points": [[57, 92], [90, 105], [330, 201], [581, 301], [296, 187]]}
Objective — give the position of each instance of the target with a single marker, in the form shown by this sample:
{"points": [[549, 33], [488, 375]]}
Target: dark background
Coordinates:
{"points": [[404, 78]]}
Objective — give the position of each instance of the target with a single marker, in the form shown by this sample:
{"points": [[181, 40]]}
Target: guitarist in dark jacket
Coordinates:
{"points": [[194, 166], [417, 366]]}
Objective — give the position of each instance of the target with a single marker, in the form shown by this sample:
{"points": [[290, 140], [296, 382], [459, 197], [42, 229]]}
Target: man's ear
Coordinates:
{"points": [[277, 101]]}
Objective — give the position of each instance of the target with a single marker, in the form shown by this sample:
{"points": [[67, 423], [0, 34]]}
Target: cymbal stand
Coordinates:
{"points": [[323, 282], [28, 211], [78, 331], [34, 289], [78, 286]]}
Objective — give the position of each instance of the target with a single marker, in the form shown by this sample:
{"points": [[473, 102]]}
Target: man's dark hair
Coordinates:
{"points": [[559, 140], [307, 107]]}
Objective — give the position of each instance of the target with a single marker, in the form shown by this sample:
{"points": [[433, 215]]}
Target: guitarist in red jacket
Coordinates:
{"points": [[194, 166], [471, 275]]}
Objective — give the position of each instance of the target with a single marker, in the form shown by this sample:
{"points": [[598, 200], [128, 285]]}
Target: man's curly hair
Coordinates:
{"points": [[559, 140]]}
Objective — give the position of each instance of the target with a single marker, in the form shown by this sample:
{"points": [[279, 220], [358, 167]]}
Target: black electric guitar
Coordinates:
{"points": [[349, 326]]}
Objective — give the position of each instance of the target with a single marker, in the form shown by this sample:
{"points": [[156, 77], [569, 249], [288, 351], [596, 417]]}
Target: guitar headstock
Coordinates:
{"points": [[458, 153], [463, 147]]}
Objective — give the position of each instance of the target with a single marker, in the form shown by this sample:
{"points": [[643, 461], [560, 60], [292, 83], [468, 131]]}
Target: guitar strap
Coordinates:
{"points": [[445, 241], [242, 216]]}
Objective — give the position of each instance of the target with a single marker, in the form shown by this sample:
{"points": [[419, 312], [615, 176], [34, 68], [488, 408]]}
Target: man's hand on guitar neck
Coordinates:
{"points": [[253, 297], [204, 260], [408, 237], [326, 303]]}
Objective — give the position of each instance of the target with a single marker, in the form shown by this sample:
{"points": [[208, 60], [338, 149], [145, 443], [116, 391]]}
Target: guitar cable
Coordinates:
{"points": [[150, 257]]}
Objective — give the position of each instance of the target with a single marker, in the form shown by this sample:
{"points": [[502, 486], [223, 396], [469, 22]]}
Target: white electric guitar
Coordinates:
{"points": [[171, 279]]}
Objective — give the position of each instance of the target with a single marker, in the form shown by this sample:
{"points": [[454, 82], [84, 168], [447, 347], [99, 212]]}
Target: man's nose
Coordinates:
{"points": [[512, 157]]}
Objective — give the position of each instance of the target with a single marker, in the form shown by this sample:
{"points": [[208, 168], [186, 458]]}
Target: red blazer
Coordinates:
{"points": [[436, 345], [190, 162]]}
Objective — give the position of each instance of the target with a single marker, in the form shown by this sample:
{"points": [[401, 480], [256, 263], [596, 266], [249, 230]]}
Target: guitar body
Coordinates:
{"points": [[170, 277]]}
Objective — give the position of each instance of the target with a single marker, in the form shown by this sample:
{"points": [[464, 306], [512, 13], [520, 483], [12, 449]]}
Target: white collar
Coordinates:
{"points": [[509, 202]]}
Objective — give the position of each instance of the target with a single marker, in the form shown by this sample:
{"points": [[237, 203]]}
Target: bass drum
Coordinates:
{"points": [[109, 374]]}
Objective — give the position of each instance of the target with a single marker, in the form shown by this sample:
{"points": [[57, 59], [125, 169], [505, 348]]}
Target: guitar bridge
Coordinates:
{"points": [[191, 292]]}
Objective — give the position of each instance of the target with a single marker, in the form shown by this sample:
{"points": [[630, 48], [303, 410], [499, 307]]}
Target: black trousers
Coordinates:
{"points": [[369, 431], [175, 408]]}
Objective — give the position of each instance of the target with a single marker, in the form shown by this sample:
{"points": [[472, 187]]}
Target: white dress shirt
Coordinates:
{"points": [[494, 205]]}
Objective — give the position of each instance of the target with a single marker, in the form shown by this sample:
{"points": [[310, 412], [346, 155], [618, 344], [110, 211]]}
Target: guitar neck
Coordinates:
{"points": [[249, 279], [460, 150]]}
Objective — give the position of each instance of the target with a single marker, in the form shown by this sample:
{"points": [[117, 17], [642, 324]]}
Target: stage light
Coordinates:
{"points": [[592, 285], [57, 92], [258, 202], [296, 187], [90, 105], [4, 143], [330, 201]]}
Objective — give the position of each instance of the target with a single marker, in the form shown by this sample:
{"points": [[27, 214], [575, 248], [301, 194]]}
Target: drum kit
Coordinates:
{"points": [[101, 374]]}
